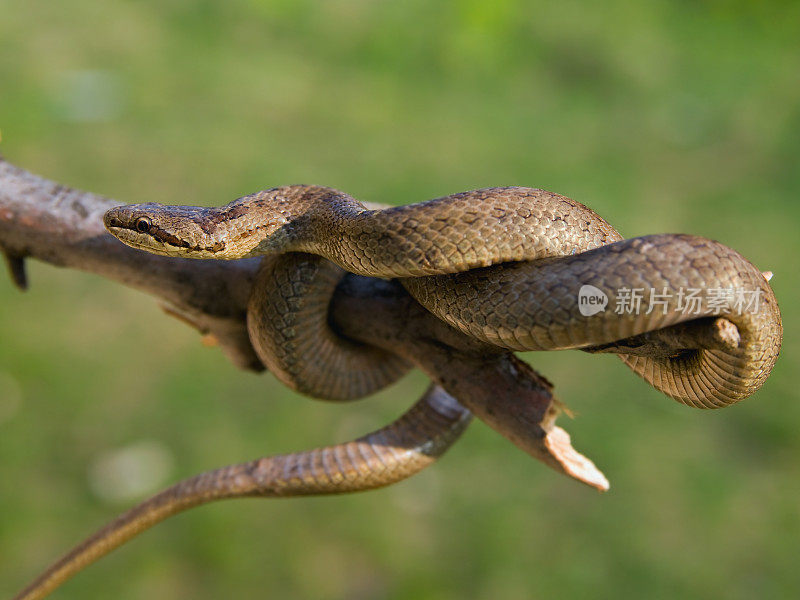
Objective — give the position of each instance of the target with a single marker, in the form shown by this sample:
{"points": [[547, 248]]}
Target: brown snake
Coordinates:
{"points": [[540, 247], [503, 265]]}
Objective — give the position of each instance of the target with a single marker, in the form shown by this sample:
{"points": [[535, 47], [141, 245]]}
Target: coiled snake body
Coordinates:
{"points": [[503, 265]]}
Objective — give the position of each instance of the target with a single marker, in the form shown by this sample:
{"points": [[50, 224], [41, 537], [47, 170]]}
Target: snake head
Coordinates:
{"points": [[184, 231]]}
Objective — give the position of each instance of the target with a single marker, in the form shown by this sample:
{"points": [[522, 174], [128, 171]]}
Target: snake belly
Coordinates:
{"points": [[504, 265]]}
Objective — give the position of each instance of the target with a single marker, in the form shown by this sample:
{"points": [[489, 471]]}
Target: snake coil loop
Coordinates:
{"points": [[504, 265]]}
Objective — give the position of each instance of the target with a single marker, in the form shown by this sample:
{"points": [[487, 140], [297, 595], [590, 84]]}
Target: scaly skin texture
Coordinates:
{"points": [[446, 235], [287, 319], [534, 307], [540, 249], [381, 458]]}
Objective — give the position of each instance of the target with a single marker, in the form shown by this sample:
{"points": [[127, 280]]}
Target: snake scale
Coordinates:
{"points": [[503, 265]]}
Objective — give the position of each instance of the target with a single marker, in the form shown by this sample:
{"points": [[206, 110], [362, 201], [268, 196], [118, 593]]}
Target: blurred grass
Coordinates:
{"points": [[661, 116]]}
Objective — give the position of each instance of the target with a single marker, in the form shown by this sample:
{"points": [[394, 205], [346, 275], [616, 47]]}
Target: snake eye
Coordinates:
{"points": [[143, 225]]}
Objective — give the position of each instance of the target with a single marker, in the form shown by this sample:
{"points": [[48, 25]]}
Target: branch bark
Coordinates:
{"points": [[43, 220], [50, 222]]}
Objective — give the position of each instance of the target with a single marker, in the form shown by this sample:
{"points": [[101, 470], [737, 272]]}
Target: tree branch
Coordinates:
{"points": [[47, 221], [64, 227]]}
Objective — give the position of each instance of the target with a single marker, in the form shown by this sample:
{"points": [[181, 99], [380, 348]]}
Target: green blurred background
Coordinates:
{"points": [[662, 116]]}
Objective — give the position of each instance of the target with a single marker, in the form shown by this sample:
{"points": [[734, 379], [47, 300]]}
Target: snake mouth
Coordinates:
{"points": [[121, 230], [123, 234], [162, 247], [136, 240]]}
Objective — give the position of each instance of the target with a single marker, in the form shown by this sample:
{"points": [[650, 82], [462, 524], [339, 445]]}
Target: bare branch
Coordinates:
{"points": [[713, 333], [64, 227], [47, 221]]}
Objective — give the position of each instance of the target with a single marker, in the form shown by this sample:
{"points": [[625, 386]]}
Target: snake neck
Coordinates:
{"points": [[285, 219], [445, 235]]}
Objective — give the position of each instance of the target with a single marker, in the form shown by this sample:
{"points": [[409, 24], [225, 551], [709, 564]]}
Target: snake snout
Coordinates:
{"points": [[112, 218], [126, 217]]}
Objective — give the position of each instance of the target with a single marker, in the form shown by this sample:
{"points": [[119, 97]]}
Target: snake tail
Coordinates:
{"points": [[381, 458]]}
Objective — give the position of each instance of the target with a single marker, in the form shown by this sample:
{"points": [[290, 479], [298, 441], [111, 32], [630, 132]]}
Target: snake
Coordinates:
{"points": [[503, 265]]}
